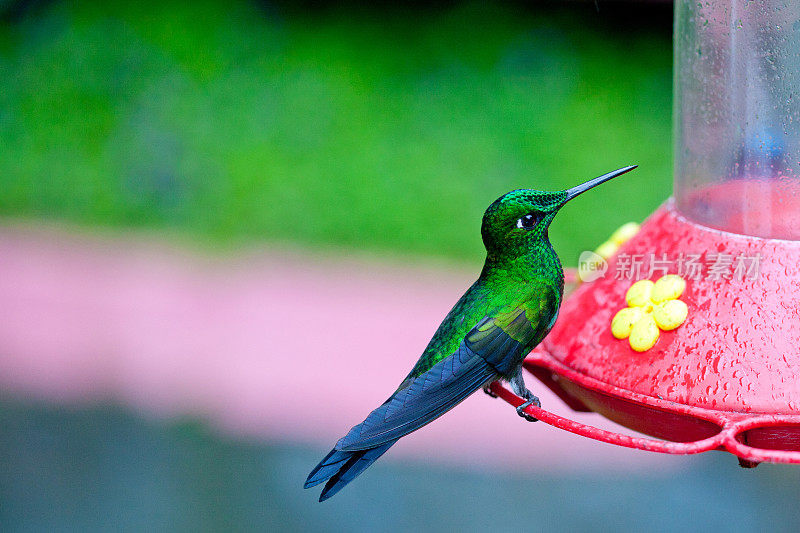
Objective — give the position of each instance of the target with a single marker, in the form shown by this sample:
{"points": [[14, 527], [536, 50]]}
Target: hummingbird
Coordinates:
{"points": [[485, 337]]}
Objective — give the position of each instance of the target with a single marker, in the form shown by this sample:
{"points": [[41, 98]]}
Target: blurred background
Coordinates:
{"points": [[228, 229]]}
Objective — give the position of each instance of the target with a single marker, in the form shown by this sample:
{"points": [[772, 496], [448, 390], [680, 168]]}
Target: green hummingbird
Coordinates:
{"points": [[485, 336]]}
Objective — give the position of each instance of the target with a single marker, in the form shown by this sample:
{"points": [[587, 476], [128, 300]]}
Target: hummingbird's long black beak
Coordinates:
{"points": [[583, 187]]}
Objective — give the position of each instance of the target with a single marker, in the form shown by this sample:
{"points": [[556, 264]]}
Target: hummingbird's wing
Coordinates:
{"points": [[424, 399], [491, 349]]}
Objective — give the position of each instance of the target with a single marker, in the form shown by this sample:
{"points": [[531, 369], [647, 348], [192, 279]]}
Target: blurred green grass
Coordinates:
{"points": [[382, 128]]}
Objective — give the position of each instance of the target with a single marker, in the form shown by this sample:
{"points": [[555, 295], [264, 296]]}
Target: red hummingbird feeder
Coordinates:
{"points": [[728, 377]]}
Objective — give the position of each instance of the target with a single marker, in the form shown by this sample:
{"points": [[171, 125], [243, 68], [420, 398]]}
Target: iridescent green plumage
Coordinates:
{"points": [[522, 273], [501, 317]]}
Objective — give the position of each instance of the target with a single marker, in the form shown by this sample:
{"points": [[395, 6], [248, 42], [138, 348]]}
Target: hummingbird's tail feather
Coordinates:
{"points": [[340, 468], [327, 468], [422, 399]]}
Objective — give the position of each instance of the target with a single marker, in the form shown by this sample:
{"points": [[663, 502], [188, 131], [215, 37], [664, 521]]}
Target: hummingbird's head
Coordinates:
{"points": [[518, 219]]}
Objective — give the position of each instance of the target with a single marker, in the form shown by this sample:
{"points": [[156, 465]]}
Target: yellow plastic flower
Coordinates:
{"points": [[617, 239], [651, 307]]}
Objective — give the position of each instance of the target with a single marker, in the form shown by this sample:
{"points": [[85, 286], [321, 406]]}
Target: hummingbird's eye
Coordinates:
{"points": [[527, 222]]}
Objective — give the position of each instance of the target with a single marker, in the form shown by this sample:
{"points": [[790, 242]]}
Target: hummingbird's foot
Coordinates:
{"points": [[488, 391], [519, 388], [532, 400]]}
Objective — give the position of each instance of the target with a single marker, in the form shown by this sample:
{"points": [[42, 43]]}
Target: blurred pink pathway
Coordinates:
{"points": [[280, 347]]}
